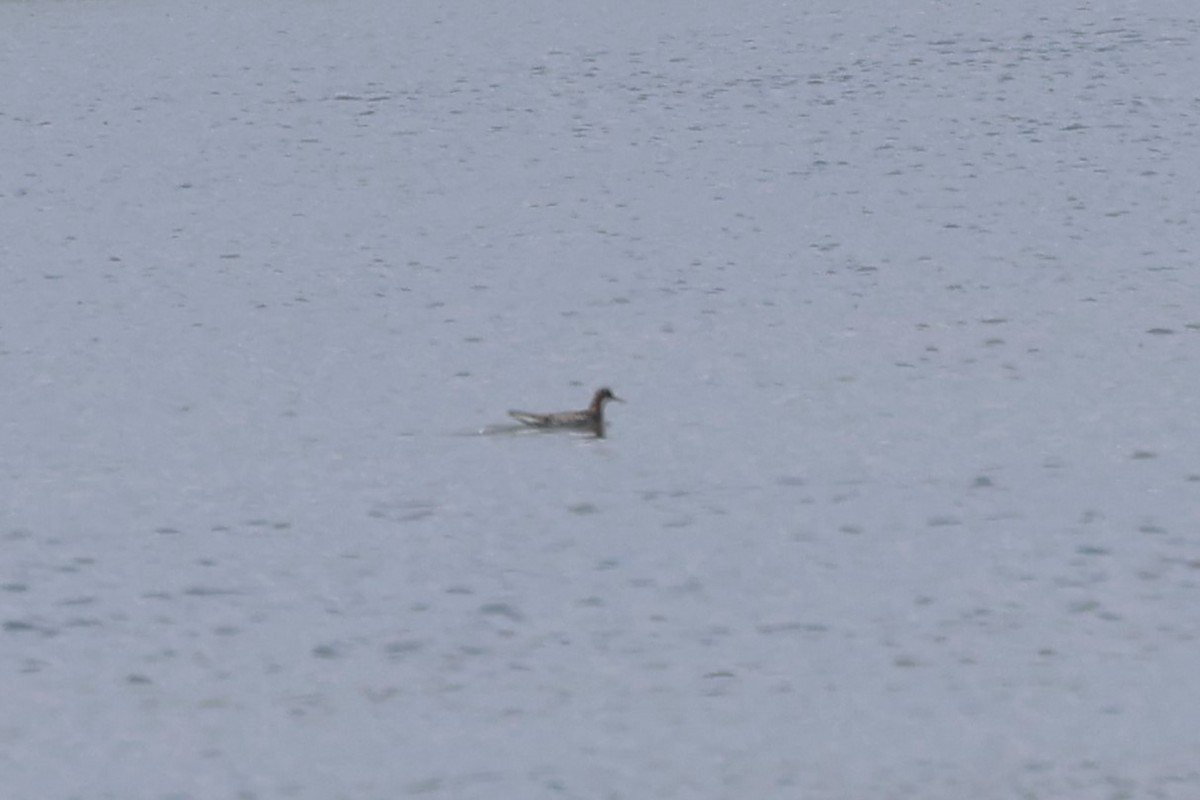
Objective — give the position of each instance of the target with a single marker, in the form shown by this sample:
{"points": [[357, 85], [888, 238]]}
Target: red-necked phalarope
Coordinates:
{"points": [[590, 418]]}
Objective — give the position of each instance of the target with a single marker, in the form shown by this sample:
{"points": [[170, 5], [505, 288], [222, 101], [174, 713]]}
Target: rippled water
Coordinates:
{"points": [[902, 504]]}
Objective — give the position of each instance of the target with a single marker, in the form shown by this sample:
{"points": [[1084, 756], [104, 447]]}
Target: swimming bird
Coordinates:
{"points": [[590, 418]]}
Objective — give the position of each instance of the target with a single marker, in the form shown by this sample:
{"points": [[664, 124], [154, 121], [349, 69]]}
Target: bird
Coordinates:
{"points": [[590, 418]]}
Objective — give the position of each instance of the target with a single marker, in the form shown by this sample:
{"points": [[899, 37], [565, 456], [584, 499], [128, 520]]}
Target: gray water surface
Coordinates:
{"points": [[903, 502]]}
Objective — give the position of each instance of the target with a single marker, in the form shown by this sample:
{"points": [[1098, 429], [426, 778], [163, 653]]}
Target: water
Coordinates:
{"points": [[902, 502]]}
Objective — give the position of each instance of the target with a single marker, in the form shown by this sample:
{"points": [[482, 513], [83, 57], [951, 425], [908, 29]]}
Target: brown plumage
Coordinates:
{"points": [[590, 418]]}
